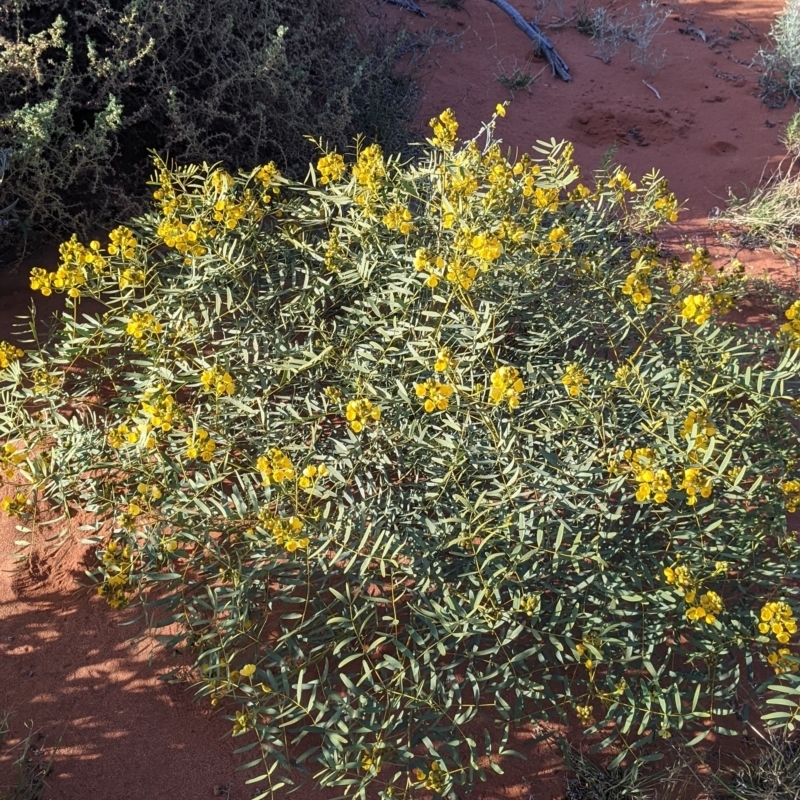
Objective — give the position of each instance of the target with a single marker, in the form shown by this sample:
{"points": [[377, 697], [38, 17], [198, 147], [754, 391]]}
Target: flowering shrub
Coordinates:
{"points": [[88, 88], [407, 464]]}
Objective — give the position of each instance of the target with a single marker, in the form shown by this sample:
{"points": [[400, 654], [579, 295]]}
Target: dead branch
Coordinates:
{"points": [[409, 4], [557, 64]]}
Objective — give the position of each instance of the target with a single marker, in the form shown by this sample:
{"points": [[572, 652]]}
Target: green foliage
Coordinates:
{"points": [[415, 453], [781, 78], [88, 88]]}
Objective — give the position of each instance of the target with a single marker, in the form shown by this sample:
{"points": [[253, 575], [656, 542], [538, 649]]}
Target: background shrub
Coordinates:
{"points": [[416, 453], [781, 78], [87, 88]]}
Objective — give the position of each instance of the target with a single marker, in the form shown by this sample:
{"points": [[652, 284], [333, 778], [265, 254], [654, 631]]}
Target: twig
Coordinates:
{"points": [[409, 4], [756, 35], [557, 64], [652, 89]]}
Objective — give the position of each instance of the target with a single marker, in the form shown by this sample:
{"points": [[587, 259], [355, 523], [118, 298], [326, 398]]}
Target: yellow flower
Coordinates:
{"points": [[216, 381], [573, 378], [399, 218], [445, 127], [506, 387], [123, 243], [777, 619], [707, 610], [201, 445], [331, 167], [311, 474], [284, 530], [697, 308], [275, 467], [142, 325], [637, 289], [436, 395], [444, 360], [360, 413], [9, 353], [248, 670], [694, 483], [791, 495]]}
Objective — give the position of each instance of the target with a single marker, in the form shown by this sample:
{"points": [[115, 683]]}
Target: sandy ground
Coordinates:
{"points": [[67, 665]]}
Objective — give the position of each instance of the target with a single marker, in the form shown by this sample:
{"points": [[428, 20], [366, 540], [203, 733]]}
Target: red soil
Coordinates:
{"points": [[65, 661]]}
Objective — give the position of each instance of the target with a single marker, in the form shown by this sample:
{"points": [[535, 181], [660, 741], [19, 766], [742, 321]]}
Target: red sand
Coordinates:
{"points": [[65, 662]]}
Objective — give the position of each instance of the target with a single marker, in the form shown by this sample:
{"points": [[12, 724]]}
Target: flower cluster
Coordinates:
{"points": [[529, 604], [620, 181], [707, 609], [637, 288], [284, 530], [17, 505], [461, 273], [9, 353], [425, 262], [680, 577], [507, 385], [369, 172], [132, 277], [311, 474], [436, 395], [573, 379], [184, 237], [10, 459], [695, 483], [652, 483], [790, 331], [72, 272], [142, 325], [777, 619], [267, 175], [434, 780], [398, 218], [666, 206], [445, 360], [697, 308], [486, 248], [218, 382], [275, 467], [331, 168], [360, 413], [705, 430], [791, 495], [200, 445], [118, 563], [122, 242], [445, 129], [159, 408]]}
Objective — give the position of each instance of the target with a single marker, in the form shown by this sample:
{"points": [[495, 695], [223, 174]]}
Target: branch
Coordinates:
{"points": [[410, 5], [557, 63]]}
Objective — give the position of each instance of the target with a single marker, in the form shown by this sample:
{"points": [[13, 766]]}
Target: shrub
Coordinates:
{"points": [[88, 88], [769, 215], [781, 77], [416, 453]]}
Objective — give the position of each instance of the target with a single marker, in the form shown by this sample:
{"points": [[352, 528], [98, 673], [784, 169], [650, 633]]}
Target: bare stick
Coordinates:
{"points": [[557, 64], [756, 35], [410, 5], [652, 89]]}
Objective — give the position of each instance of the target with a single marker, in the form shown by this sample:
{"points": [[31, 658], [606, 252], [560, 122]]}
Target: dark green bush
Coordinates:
{"points": [[88, 88]]}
